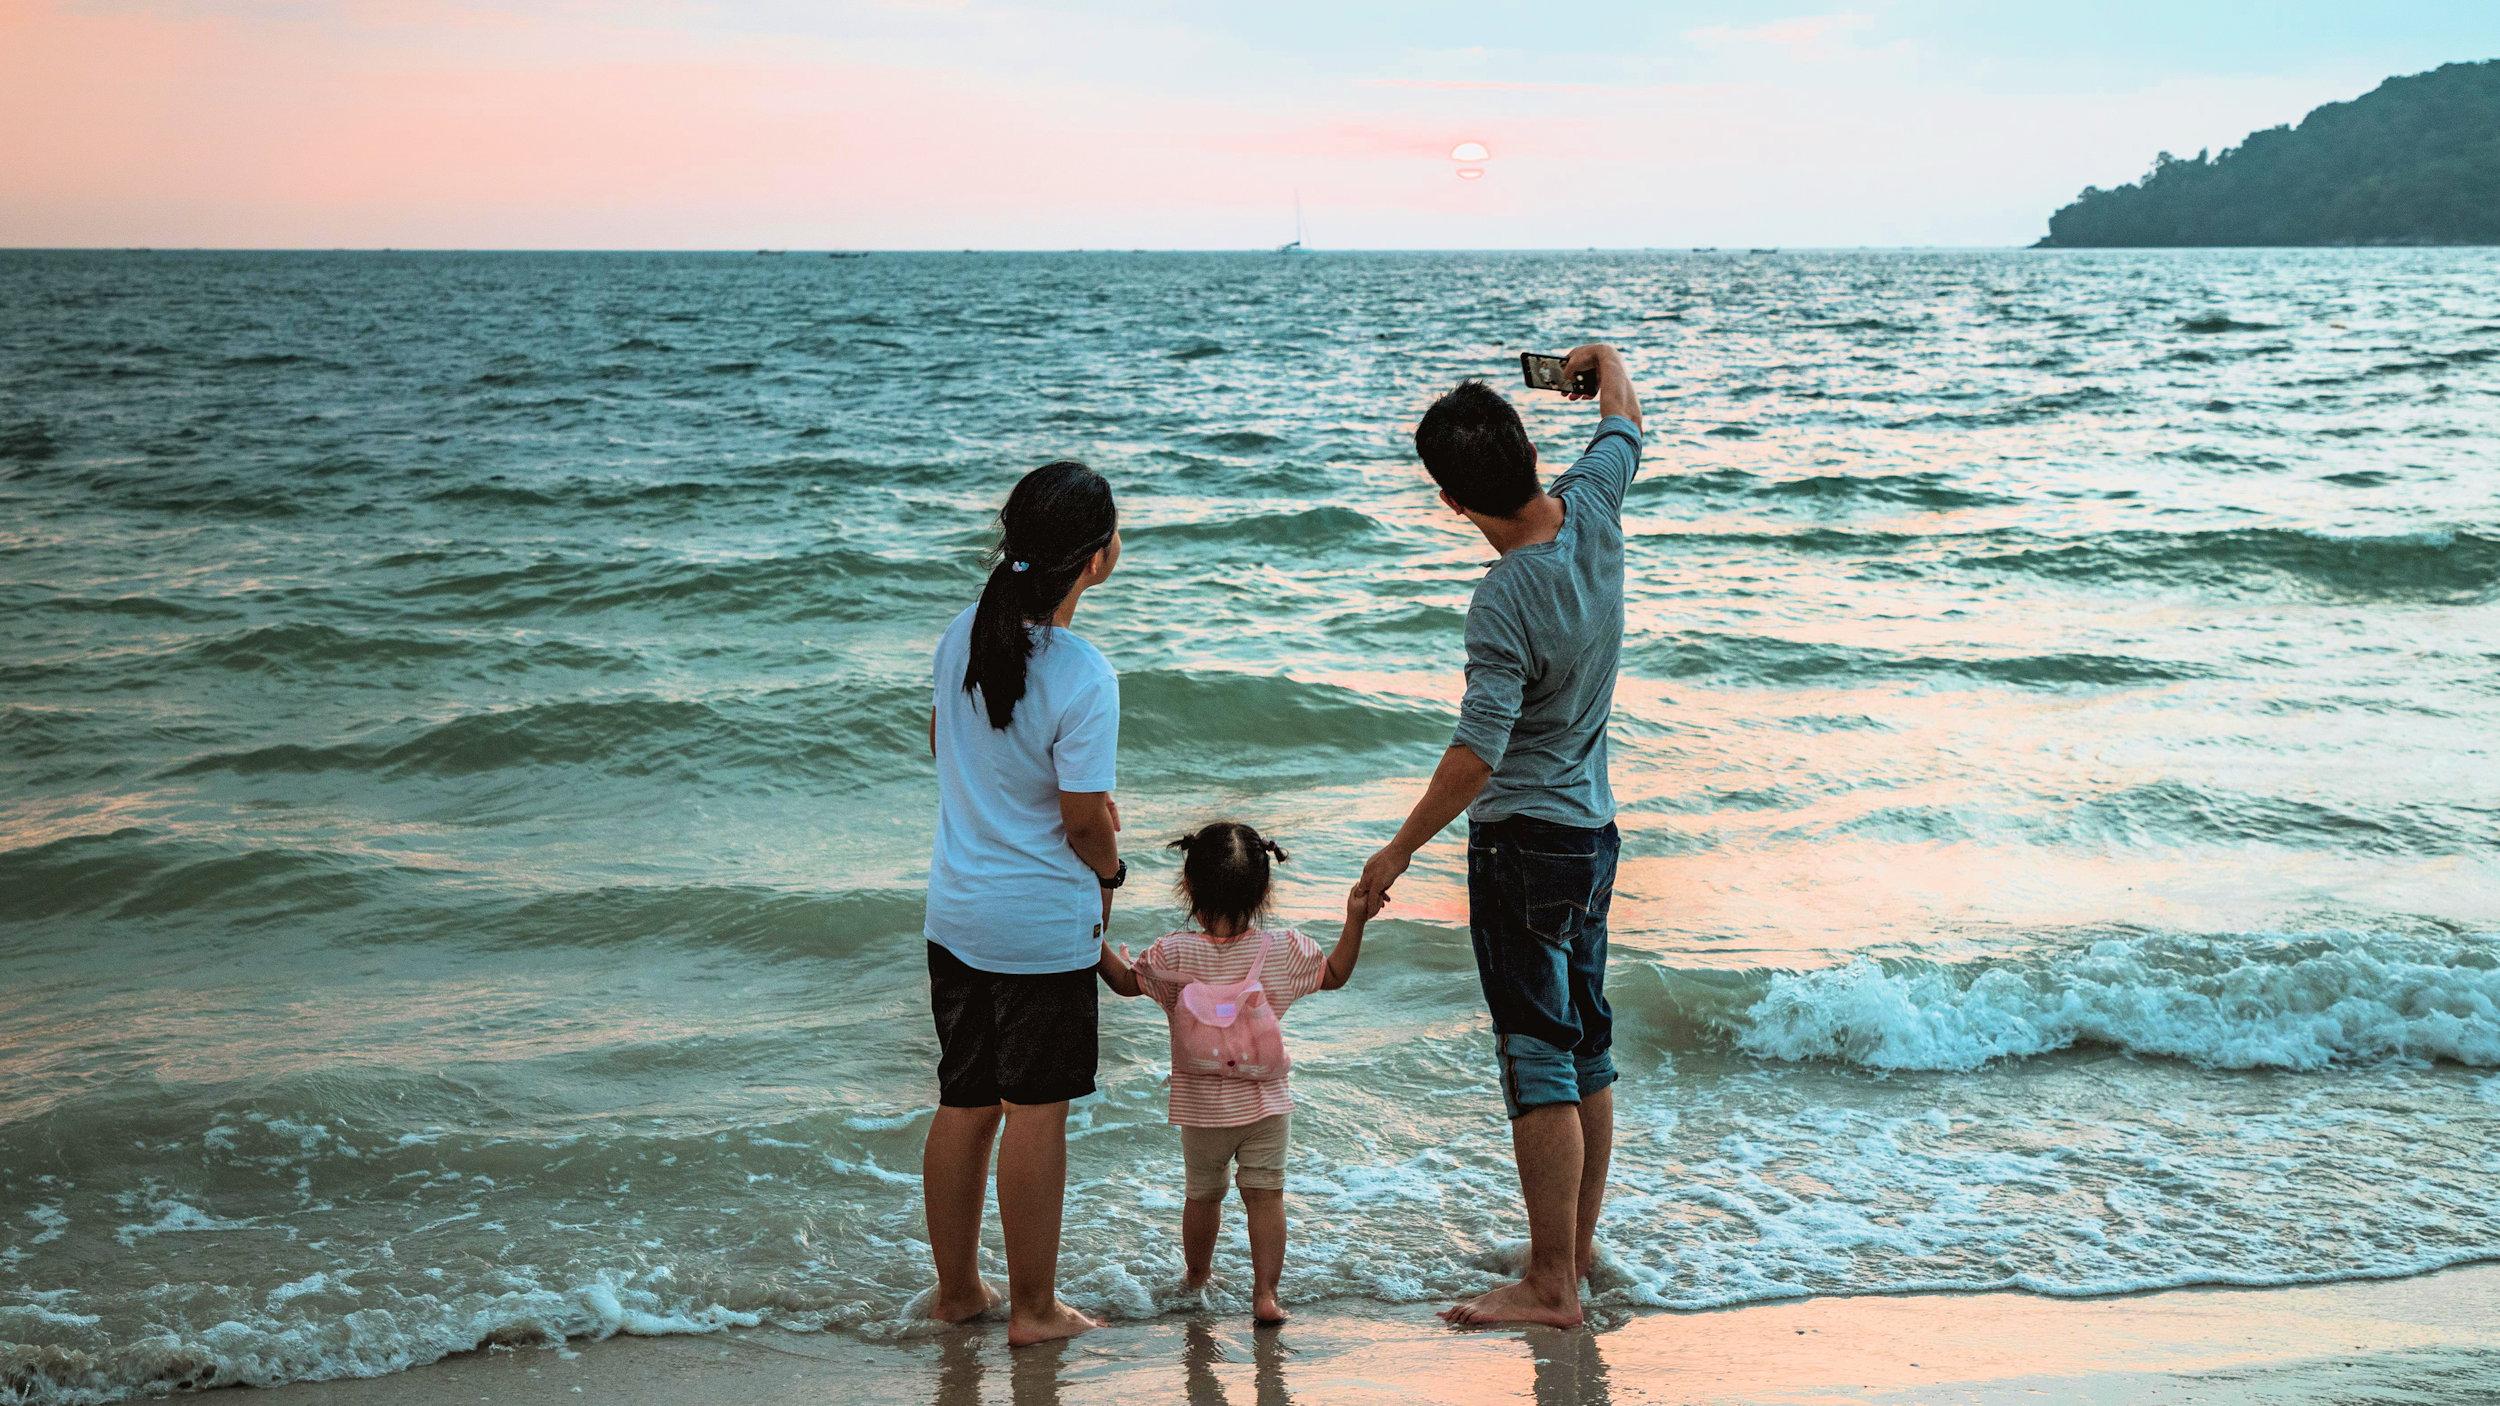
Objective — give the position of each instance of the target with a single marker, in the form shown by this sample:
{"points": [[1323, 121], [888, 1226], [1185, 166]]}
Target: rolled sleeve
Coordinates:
{"points": [[1497, 678], [1608, 464], [1086, 755]]}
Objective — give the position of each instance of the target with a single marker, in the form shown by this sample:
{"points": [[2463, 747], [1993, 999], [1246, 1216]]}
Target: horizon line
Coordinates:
{"points": [[754, 250]]}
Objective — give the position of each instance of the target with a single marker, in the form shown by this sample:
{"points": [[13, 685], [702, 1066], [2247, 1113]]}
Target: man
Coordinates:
{"points": [[1544, 632]]}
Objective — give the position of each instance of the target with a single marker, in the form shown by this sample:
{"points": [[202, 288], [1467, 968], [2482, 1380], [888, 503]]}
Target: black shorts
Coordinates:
{"points": [[1013, 1037]]}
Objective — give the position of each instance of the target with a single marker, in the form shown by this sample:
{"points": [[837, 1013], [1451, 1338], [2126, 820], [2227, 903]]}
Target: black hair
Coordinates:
{"points": [[1473, 445], [1225, 874], [1056, 519]]}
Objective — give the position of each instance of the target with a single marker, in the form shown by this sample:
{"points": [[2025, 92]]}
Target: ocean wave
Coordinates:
{"points": [[270, 1347], [1924, 490], [832, 583], [135, 872], [1240, 441], [759, 921], [1767, 660], [28, 442], [2023, 410], [304, 647], [1189, 717], [2165, 812], [1831, 541], [2250, 1004], [594, 495], [1308, 528], [2211, 323], [801, 733], [2442, 566]]}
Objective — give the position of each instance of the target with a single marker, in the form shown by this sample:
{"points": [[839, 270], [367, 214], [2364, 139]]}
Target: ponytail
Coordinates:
{"points": [[1227, 874], [1057, 518]]}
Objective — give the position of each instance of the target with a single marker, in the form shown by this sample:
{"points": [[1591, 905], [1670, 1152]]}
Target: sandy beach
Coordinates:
{"points": [[2432, 1339]]}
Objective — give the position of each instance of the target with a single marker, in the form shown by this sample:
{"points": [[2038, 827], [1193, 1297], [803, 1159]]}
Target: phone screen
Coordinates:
{"points": [[1545, 373]]}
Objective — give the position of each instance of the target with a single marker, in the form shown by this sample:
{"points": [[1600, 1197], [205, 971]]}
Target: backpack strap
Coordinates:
{"points": [[1266, 940]]}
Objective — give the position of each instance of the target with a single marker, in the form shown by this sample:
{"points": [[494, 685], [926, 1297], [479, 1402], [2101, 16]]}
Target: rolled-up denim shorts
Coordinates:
{"points": [[1537, 895]]}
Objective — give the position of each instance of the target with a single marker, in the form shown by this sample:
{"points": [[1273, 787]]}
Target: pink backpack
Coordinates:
{"points": [[1229, 1031]]}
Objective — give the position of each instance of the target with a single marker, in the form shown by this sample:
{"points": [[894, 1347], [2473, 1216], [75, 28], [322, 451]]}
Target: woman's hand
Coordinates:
{"points": [[1118, 972]]}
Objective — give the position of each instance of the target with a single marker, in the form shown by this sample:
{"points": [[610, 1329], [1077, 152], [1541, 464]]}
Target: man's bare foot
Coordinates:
{"points": [[1192, 1283], [1051, 1324], [1267, 1310], [965, 1308], [1517, 1302]]}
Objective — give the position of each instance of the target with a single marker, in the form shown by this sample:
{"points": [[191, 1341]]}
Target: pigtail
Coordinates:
{"points": [[1226, 874]]}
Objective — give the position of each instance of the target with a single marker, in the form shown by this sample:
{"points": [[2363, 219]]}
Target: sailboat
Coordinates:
{"points": [[1296, 246]]}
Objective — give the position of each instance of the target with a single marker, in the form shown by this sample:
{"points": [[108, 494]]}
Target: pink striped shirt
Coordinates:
{"points": [[1294, 968]]}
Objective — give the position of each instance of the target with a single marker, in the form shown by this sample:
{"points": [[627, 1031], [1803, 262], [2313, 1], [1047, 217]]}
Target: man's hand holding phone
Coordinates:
{"points": [[1591, 372]]}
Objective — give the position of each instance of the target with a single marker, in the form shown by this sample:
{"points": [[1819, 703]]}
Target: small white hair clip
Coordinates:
{"points": [[1019, 566]]}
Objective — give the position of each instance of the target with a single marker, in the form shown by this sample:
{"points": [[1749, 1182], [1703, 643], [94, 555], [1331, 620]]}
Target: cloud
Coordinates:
{"points": [[1801, 33]]}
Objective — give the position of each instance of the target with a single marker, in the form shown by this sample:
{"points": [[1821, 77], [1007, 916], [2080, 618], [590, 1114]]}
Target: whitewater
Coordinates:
{"points": [[465, 801]]}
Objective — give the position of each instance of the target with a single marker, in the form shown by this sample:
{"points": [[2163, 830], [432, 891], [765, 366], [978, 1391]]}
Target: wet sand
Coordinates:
{"points": [[2432, 1339]]}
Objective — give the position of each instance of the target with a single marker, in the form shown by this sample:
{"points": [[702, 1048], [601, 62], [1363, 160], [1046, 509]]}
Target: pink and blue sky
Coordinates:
{"points": [[893, 124]]}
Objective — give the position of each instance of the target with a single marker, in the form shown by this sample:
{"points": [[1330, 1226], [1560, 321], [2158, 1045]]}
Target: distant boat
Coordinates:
{"points": [[847, 254], [1766, 251], [760, 253], [1705, 248], [1296, 246]]}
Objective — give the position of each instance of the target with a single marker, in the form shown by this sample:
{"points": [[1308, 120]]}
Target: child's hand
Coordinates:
{"points": [[1358, 909]]}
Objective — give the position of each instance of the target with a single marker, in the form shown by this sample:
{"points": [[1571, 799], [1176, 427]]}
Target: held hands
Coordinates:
{"points": [[1371, 892]]}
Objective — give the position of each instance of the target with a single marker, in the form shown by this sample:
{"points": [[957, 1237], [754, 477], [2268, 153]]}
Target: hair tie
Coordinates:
{"points": [[1019, 566]]}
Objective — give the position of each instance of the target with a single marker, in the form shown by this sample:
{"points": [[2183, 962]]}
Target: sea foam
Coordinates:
{"points": [[2263, 1005]]}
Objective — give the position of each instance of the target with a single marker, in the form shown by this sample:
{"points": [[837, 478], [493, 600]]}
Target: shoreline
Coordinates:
{"points": [[2430, 1338]]}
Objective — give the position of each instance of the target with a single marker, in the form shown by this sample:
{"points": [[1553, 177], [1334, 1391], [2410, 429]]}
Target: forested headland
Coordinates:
{"points": [[2414, 161]]}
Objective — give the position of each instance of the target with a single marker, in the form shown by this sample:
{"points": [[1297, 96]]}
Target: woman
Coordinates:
{"points": [[1025, 729]]}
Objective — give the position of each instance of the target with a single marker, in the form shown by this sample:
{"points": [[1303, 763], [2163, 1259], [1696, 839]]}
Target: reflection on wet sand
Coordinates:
{"points": [[1219, 1366], [1570, 1371], [1034, 1375], [1203, 1350]]}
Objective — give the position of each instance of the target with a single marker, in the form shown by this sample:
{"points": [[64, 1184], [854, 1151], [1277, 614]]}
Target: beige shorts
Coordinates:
{"points": [[1258, 1147]]}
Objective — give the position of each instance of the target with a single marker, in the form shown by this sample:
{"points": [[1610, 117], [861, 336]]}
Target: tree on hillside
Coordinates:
{"points": [[2414, 161]]}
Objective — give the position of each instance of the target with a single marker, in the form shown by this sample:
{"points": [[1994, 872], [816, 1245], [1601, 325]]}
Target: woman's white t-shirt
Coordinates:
{"points": [[1006, 894]]}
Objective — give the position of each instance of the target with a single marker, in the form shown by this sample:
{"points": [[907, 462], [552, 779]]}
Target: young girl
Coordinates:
{"points": [[1223, 984]]}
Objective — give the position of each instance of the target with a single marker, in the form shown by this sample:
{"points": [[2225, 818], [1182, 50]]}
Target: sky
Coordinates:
{"points": [[950, 124]]}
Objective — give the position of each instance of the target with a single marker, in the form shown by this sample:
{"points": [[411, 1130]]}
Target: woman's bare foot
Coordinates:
{"points": [[967, 1307], [1518, 1302], [1267, 1310], [1051, 1324]]}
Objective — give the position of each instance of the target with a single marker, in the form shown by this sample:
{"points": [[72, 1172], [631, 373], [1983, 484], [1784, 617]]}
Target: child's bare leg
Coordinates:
{"points": [[1200, 1219], [1266, 1210]]}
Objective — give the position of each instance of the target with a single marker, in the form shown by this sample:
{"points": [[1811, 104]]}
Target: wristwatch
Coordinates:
{"points": [[1118, 877]]}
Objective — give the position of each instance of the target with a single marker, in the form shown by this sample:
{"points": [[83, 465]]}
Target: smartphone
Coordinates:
{"points": [[1545, 373]]}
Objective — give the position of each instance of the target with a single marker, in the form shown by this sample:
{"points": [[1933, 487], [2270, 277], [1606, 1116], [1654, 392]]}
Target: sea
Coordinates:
{"points": [[464, 798]]}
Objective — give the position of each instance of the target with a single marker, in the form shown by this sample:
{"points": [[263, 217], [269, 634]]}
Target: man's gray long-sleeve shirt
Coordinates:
{"points": [[1544, 634]]}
